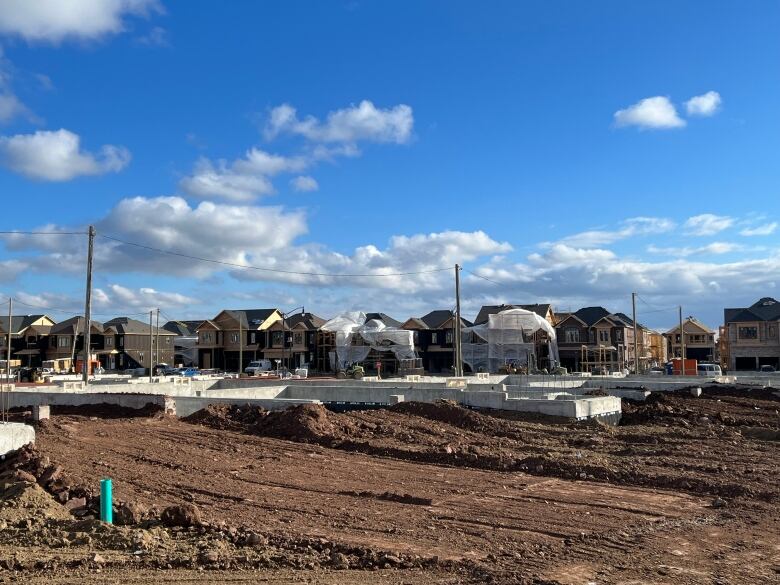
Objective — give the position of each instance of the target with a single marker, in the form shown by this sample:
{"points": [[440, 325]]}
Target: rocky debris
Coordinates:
{"points": [[130, 513], [183, 515]]}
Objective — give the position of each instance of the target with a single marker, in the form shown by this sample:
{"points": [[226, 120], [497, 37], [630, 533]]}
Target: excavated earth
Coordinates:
{"points": [[685, 490]]}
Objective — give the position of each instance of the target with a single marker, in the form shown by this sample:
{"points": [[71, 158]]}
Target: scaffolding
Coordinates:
{"points": [[605, 359], [508, 340]]}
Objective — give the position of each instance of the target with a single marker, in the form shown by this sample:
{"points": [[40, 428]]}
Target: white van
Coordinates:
{"points": [[258, 366], [710, 370]]}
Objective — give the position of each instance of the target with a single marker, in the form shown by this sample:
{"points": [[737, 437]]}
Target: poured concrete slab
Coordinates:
{"points": [[14, 436]]}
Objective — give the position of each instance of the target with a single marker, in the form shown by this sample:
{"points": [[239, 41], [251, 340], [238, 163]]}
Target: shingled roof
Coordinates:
{"points": [[18, 322], [540, 309], [128, 326], [765, 309]]}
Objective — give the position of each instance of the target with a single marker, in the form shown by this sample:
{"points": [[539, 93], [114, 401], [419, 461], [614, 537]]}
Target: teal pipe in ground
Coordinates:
{"points": [[106, 505]]}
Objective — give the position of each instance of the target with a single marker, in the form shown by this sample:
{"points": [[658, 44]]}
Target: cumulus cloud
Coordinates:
{"points": [[654, 112], [304, 183], [364, 122], [703, 105], [635, 226], [766, 229], [11, 107], [118, 297], [53, 21], [57, 156], [707, 224], [242, 180]]}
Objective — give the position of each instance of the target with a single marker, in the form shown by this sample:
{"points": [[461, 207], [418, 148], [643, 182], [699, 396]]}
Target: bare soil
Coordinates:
{"points": [[685, 491]]}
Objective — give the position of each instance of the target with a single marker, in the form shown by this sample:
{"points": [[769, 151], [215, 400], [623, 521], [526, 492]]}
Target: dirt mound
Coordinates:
{"points": [[228, 417], [303, 423], [446, 411]]}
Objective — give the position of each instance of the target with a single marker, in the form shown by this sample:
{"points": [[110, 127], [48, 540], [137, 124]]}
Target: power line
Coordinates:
{"points": [[485, 278], [60, 310], [38, 233], [263, 269]]}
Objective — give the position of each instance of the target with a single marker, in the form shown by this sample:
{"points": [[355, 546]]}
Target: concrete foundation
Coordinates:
{"points": [[41, 412], [14, 436]]}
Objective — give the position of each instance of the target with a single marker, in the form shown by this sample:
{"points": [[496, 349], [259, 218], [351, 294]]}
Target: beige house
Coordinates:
{"points": [[293, 341], [699, 341], [234, 336], [752, 336]]}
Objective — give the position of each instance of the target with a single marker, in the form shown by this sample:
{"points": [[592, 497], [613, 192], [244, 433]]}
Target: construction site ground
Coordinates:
{"points": [[685, 490]]}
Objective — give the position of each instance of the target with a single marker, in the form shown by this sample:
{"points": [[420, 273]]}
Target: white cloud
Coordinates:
{"points": [[57, 156], [10, 107], [713, 248], [653, 112], [56, 20], [156, 37], [364, 122], [243, 179], [761, 230], [703, 105], [707, 224], [635, 226], [304, 183], [117, 297]]}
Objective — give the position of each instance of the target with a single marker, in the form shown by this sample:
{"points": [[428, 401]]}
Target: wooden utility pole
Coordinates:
{"points": [[87, 311], [636, 334], [682, 344], [240, 348], [157, 339], [458, 346], [151, 346], [8, 360]]}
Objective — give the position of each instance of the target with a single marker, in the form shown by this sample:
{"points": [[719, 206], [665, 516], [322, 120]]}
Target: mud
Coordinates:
{"points": [[418, 493]]}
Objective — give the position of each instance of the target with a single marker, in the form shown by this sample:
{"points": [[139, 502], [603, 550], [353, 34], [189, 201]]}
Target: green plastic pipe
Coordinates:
{"points": [[106, 505]]}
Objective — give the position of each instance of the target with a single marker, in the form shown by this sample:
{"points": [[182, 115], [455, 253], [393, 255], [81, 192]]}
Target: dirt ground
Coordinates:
{"points": [[684, 491]]}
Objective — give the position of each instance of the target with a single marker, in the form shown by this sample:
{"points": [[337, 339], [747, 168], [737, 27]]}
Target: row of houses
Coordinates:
{"points": [[587, 339]]}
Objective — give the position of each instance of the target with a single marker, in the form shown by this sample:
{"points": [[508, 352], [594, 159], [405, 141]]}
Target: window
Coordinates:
{"points": [[167, 340], [619, 335], [277, 338], [571, 335], [298, 339], [31, 339], [603, 335], [109, 341], [434, 338], [748, 332], [206, 337], [771, 331], [234, 338], [252, 337], [63, 341], [121, 341], [448, 337]]}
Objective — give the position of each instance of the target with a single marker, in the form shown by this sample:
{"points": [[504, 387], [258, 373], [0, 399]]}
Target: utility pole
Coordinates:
{"points": [[636, 334], [88, 312], [458, 346], [151, 346], [8, 359], [240, 348], [682, 344], [157, 339]]}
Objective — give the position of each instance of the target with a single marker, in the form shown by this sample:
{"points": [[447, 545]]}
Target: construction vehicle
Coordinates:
{"points": [[353, 371]]}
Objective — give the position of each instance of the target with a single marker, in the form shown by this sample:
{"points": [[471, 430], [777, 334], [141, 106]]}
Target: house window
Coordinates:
{"points": [[31, 339], [603, 335], [771, 331], [434, 338], [298, 339], [234, 338], [121, 341], [109, 342], [167, 341], [748, 332], [63, 341], [571, 335], [206, 337], [619, 335], [252, 337], [416, 337], [448, 337], [277, 338]]}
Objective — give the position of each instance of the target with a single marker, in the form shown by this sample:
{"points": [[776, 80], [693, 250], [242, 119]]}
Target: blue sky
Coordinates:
{"points": [[569, 152]]}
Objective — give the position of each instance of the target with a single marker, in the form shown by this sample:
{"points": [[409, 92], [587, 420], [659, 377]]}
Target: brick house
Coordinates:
{"points": [[129, 344], [593, 337], [751, 335], [235, 334], [434, 339]]}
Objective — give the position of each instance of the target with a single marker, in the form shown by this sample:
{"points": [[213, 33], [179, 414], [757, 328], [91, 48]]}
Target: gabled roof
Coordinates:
{"points": [[386, 319], [183, 328], [308, 320], [19, 322], [414, 323], [693, 321], [764, 309], [74, 326], [541, 309], [128, 326], [591, 315]]}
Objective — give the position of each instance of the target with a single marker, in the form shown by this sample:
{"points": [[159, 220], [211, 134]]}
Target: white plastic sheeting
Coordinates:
{"points": [[355, 338], [506, 338]]}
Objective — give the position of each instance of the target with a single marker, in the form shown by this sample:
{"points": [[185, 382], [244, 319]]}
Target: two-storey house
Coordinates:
{"points": [[753, 336], [699, 341], [28, 334], [434, 336], [235, 336], [293, 341], [130, 344], [592, 338], [66, 340]]}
